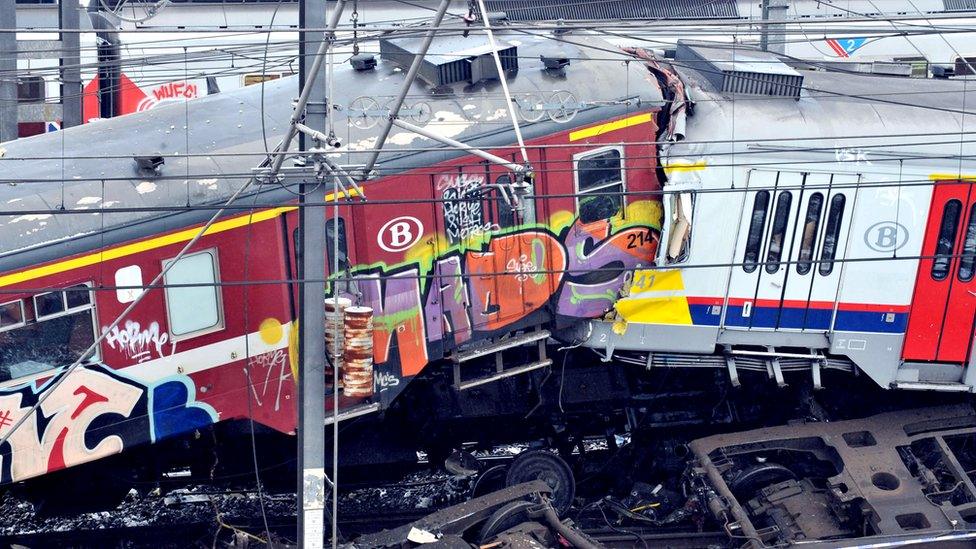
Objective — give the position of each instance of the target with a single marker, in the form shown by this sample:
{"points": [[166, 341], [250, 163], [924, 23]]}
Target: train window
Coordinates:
{"points": [[600, 185], [330, 243], [679, 241], [506, 214], [835, 216], [192, 297], [760, 208], [11, 315], [49, 305], [811, 224], [947, 239], [31, 343], [777, 236], [968, 259]]}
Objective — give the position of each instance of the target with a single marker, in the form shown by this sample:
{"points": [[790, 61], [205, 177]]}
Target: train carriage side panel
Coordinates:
{"points": [[163, 371]]}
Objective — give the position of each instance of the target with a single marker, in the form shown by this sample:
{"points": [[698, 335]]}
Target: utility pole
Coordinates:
{"points": [[8, 71], [313, 103], [773, 10], [70, 63]]}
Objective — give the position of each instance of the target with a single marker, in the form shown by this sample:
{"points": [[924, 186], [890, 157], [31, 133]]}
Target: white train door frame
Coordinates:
{"points": [[763, 248]]}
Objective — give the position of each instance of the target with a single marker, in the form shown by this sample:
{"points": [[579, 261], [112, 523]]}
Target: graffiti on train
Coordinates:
{"points": [[492, 280], [92, 413]]}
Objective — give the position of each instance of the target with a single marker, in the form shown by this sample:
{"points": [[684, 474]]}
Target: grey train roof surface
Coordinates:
{"points": [[896, 117], [91, 168]]}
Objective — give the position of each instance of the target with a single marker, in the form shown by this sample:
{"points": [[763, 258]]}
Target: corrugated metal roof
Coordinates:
{"points": [[959, 5], [535, 10]]}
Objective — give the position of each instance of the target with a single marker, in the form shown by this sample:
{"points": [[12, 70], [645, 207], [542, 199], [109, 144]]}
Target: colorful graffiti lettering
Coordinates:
{"points": [[489, 282], [92, 413]]}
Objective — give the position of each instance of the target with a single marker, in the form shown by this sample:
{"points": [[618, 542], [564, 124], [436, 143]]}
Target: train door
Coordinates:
{"points": [[940, 323], [764, 246], [820, 240]]}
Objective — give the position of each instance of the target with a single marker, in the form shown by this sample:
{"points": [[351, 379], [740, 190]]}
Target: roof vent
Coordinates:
{"points": [[452, 59], [741, 70], [555, 60], [363, 62]]}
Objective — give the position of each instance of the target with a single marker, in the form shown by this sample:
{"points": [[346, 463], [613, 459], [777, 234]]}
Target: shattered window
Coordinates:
{"points": [[832, 234], [600, 185], [679, 242], [192, 297], [29, 345], [947, 239], [757, 223], [811, 224], [778, 235]]}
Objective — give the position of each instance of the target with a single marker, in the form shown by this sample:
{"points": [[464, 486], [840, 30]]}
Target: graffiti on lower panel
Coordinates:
{"points": [[91, 413], [491, 281], [272, 368]]}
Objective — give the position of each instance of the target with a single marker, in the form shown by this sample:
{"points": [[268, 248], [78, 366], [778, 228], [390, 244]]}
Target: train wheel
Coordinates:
{"points": [[509, 515], [542, 465], [749, 481], [490, 480]]}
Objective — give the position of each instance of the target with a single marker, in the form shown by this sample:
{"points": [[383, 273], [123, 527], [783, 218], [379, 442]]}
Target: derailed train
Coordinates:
{"points": [[718, 207]]}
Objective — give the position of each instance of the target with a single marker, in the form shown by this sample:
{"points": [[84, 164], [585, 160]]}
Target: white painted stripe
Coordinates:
{"points": [[186, 362]]}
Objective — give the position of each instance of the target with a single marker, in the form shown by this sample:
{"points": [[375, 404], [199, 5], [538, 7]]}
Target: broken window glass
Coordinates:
{"points": [[679, 242], [600, 185], [41, 345]]}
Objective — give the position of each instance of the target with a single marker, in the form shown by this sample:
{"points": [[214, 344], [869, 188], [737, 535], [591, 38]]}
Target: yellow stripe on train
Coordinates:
{"points": [[601, 129], [138, 247], [655, 298]]}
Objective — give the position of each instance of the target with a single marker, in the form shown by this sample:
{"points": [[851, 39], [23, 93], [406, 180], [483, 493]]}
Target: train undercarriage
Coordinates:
{"points": [[770, 461]]}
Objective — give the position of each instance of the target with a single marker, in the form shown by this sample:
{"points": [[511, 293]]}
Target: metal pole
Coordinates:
{"points": [[311, 418], [8, 72], [457, 144], [773, 10], [306, 8], [70, 63], [405, 88]]}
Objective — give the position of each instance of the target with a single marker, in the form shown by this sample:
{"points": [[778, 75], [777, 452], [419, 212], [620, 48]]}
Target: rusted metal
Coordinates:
{"points": [[357, 371], [335, 335]]}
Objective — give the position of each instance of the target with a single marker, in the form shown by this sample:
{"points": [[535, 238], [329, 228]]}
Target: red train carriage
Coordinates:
{"points": [[438, 248]]}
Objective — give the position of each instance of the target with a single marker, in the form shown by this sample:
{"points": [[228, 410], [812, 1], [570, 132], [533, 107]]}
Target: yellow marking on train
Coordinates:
{"points": [[349, 193], [685, 166], [139, 247], [601, 129], [664, 308], [952, 177]]}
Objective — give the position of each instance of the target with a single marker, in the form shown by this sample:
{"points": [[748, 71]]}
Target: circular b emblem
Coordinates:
{"points": [[400, 233], [886, 236]]}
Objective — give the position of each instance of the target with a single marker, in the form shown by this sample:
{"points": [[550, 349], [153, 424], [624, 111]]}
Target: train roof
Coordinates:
{"points": [[91, 177], [893, 117]]}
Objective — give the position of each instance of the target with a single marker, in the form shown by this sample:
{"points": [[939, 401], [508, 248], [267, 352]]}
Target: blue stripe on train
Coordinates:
{"points": [[801, 318]]}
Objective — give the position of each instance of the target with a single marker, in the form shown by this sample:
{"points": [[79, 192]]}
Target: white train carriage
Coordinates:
{"points": [[818, 220]]}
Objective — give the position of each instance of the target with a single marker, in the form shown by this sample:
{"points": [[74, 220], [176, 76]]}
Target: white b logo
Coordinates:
{"points": [[400, 233]]}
